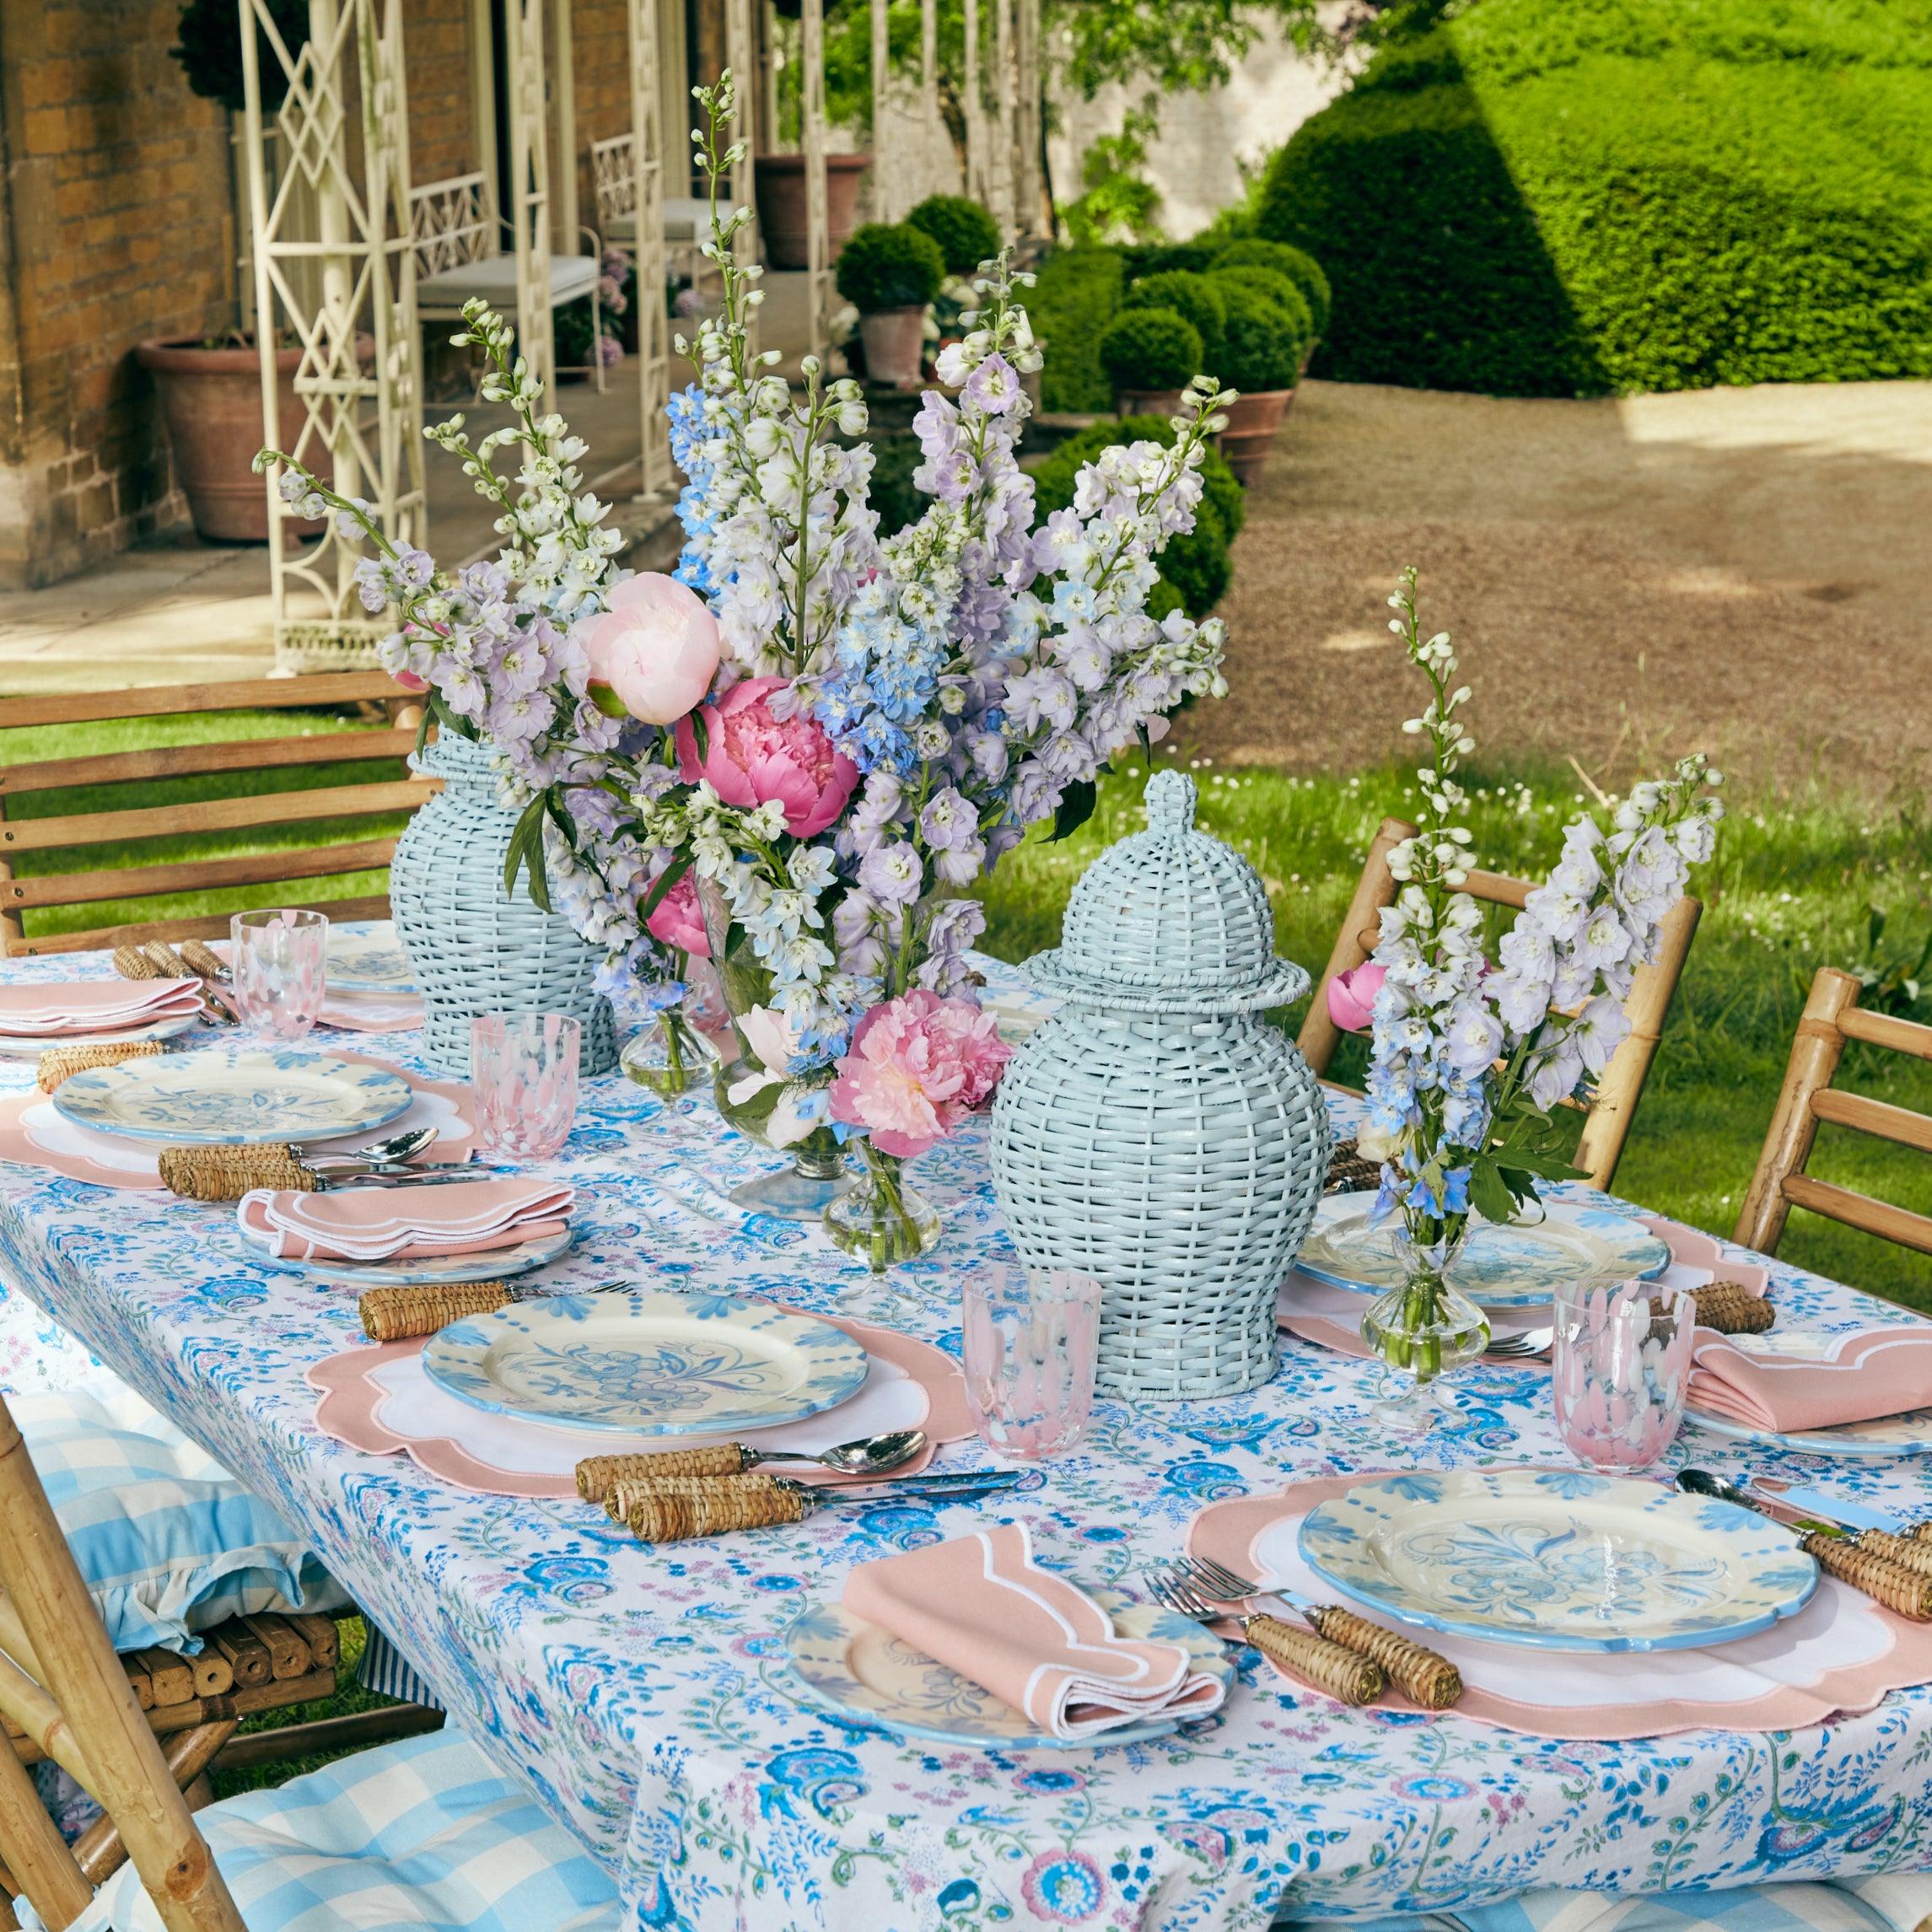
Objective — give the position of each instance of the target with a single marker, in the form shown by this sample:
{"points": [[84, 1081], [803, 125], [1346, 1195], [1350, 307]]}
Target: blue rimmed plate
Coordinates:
{"points": [[1876, 1441], [1557, 1560], [217, 1095], [866, 1676], [24, 1046], [445, 1270], [1515, 1265], [653, 1364], [369, 962]]}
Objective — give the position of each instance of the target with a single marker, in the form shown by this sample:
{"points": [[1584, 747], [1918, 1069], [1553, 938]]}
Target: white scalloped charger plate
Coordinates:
{"points": [[445, 1270]]}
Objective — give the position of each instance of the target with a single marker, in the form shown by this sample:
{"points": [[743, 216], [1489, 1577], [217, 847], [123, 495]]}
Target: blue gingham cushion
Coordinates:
{"points": [[1897, 1903], [420, 1835], [169, 1542]]}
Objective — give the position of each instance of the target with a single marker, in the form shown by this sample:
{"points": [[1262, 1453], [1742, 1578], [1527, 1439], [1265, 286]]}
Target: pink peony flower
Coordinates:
{"points": [[655, 651], [916, 1066], [678, 920], [1352, 996], [751, 757]]}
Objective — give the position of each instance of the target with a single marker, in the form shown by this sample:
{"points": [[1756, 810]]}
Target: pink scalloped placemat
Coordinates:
{"points": [[35, 1135], [353, 1401], [1782, 1679]]}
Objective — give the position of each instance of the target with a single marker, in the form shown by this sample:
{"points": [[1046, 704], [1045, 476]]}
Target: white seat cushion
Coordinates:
{"points": [[168, 1543], [422, 1835], [685, 219], [494, 279]]}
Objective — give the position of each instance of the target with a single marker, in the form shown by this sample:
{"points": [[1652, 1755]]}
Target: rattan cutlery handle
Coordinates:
{"points": [[227, 1173], [131, 963], [597, 1475], [1906, 1552], [58, 1062], [668, 1511], [628, 1490], [1919, 1532], [395, 1314], [1422, 1676], [1346, 1675], [1901, 1589]]}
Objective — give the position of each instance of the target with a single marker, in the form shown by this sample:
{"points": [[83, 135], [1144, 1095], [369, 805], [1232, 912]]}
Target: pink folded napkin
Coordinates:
{"points": [[372, 1012], [1856, 1378], [982, 1606], [403, 1223], [94, 1006]]}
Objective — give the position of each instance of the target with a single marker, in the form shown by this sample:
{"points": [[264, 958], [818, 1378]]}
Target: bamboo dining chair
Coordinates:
{"points": [[1831, 1017], [391, 735], [1614, 1103], [448, 1842]]}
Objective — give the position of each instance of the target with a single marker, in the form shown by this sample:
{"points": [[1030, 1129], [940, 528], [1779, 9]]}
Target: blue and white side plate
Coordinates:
{"points": [[368, 963], [1557, 1559], [869, 1676], [1502, 1265], [219, 1095], [445, 1270], [24, 1047], [653, 1364], [1883, 1437]]}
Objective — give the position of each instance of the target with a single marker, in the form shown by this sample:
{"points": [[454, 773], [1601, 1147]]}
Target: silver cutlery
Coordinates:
{"points": [[442, 1174], [1908, 1591], [1345, 1675], [397, 1147], [1776, 1489], [599, 1476], [1908, 1551], [672, 1508], [1427, 1677], [868, 1456], [1526, 1345]]}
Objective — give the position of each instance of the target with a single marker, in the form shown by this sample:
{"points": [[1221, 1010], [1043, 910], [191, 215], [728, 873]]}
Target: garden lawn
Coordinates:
{"points": [[1790, 891]]}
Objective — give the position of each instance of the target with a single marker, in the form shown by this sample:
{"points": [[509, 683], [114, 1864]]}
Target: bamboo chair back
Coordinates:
{"points": [[391, 738], [1831, 1017], [61, 1683], [1613, 1105]]}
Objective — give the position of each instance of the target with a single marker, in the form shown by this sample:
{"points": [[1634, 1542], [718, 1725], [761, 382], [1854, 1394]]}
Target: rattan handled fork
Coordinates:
{"points": [[1424, 1676], [1346, 1676]]}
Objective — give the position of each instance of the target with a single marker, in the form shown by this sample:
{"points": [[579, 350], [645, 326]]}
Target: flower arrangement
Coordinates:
{"points": [[795, 758], [1469, 1056]]}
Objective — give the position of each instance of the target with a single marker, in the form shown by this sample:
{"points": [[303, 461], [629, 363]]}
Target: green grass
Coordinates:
{"points": [[1788, 893], [80, 741]]}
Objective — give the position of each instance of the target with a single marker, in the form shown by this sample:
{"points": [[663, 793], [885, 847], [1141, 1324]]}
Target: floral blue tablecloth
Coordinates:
{"points": [[641, 1693]]}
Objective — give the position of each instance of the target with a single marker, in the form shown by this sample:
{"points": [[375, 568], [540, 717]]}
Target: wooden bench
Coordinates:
{"points": [[391, 734]]}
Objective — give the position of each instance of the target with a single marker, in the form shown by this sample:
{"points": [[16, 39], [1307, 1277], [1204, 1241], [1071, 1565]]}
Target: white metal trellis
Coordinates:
{"points": [[647, 195], [1026, 118], [818, 211], [528, 211], [740, 55], [883, 203], [334, 264]]}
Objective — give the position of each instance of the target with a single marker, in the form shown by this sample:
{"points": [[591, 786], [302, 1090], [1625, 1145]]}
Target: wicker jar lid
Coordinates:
{"points": [[1170, 920]]}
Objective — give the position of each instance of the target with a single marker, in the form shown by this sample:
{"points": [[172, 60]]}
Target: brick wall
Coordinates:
{"points": [[117, 228], [601, 33], [436, 44]]}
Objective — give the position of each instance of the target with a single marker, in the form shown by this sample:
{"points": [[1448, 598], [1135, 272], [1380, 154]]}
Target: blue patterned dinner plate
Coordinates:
{"points": [[1884, 1436], [445, 1270], [218, 1095], [369, 962], [652, 1363], [867, 1676], [1557, 1559], [1502, 1265]]}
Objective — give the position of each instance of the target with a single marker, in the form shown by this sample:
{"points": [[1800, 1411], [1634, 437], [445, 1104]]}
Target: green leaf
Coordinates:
{"points": [[1076, 805], [525, 848], [1487, 1194], [700, 736], [662, 884]]}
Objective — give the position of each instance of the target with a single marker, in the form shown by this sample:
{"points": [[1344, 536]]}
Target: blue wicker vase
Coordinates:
{"points": [[1156, 1132], [475, 950]]}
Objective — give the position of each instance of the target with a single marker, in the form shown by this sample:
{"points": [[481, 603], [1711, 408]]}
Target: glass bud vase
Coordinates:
{"points": [[880, 1218], [1422, 1328], [670, 1056]]}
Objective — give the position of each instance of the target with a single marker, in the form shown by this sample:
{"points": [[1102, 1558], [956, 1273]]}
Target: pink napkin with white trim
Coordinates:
{"points": [[42, 1011], [404, 1224], [1854, 1378], [982, 1606]]}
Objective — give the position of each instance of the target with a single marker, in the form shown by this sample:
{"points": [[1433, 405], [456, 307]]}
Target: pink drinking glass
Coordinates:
{"points": [[523, 1075], [1620, 1362], [277, 965], [1031, 1338]]}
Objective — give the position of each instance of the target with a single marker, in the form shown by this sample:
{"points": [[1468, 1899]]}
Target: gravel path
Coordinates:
{"points": [[1742, 570]]}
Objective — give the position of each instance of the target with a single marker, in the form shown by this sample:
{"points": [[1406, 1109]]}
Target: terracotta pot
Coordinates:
{"points": [[779, 182], [1249, 435], [1146, 402], [894, 346], [213, 401]]}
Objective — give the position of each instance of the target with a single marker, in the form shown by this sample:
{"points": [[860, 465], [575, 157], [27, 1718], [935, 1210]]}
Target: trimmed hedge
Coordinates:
{"points": [[1193, 296], [1273, 288], [1078, 291], [1195, 568], [1150, 348], [1261, 345], [1295, 264], [890, 266], [1564, 197], [966, 234]]}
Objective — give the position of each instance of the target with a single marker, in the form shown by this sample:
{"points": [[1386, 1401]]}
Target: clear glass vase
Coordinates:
{"points": [[879, 1217], [1422, 1328], [670, 1056]]}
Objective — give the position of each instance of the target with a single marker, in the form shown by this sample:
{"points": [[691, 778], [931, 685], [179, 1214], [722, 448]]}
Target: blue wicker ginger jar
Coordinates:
{"points": [[1156, 1132], [475, 949]]}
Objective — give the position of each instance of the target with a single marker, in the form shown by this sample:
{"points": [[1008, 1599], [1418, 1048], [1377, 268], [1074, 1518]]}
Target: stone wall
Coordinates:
{"points": [[115, 226]]}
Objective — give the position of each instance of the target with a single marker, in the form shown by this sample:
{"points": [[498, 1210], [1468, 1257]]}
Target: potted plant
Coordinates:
{"points": [[778, 181], [1261, 357], [1149, 356], [889, 272], [1301, 267], [1192, 297]]}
